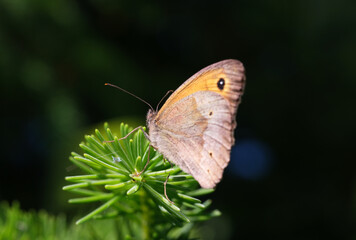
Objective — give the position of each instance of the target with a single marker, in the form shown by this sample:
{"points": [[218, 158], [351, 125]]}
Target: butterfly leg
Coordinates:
{"points": [[148, 160], [138, 128], [149, 147], [165, 189], [165, 159]]}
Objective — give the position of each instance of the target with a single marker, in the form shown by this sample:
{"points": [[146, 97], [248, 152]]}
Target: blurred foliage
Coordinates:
{"points": [[55, 57], [17, 224], [28, 225]]}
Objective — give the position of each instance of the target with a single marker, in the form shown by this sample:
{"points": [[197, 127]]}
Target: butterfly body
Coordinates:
{"points": [[195, 127]]}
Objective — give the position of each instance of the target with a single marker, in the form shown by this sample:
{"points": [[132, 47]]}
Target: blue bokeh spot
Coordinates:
{"points": [[250, 159]]}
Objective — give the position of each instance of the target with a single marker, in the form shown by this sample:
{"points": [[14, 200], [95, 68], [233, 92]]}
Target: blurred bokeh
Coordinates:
{"points": [[292, 173]]}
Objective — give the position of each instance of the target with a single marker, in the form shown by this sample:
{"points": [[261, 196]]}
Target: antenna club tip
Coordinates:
{"points": [[106, 84]]}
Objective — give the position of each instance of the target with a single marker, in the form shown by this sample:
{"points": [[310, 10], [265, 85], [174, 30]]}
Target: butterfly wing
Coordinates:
{"points": [[194, 128], [195, 134]]}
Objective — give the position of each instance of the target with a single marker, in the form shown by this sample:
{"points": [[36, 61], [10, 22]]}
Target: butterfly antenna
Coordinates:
{"points": [[112, 85], [170, 91]]}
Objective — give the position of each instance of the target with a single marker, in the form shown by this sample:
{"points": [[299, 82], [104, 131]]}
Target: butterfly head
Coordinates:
{"points": [[151, 115]]}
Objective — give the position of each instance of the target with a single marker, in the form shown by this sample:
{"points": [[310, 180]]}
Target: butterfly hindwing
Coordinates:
{"points": [[198, 139]]}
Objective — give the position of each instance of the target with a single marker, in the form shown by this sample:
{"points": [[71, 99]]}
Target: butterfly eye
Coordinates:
{"points": [[221, 83]]}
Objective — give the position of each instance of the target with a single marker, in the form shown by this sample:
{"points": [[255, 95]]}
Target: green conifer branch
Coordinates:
{"points": [[111, 179]]}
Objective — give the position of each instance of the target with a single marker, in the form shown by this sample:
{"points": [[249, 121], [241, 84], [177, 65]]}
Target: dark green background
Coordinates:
{"points": [[55, 57]]}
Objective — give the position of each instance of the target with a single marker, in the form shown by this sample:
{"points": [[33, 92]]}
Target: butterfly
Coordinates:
{"points": [[194, 129]]}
